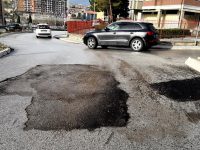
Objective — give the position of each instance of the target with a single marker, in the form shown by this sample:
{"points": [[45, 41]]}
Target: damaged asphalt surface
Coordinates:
{"points": [[70, 97], [57, 95]]}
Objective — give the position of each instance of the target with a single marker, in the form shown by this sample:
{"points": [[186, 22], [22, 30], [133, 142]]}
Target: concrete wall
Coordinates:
{"points": [[100, 15], [166, 21]]}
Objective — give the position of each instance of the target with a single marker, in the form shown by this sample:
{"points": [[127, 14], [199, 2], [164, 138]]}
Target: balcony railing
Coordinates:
{"points": [[171, 2]]}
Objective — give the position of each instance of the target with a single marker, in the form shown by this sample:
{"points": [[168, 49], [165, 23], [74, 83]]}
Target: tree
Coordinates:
{"points": [[29, 19], [100, 5], [119, 7], [18, 19], [10, 9]]}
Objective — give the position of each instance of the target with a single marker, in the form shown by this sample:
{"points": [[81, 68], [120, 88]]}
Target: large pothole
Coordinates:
{"points": [[180, 90], [70, 97]]}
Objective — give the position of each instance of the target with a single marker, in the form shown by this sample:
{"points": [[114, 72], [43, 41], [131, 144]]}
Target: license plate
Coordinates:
{"points": [[43, 30]]}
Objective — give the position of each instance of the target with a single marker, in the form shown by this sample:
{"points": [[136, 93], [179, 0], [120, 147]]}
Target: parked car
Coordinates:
{"points": [[136, 35], [43, 30], [3, 28], [14, 27]]}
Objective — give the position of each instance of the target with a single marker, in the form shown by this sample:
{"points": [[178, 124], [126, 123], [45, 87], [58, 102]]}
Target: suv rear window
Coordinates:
{"points": [[43, 27], [151, 27]]}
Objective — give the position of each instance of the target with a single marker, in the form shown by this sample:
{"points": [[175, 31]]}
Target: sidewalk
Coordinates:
{"points": [[172, 44], [73, 38]]}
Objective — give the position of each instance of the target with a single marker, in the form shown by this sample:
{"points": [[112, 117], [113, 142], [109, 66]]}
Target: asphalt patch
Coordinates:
{"points": [[180, 90], [70, 97]]}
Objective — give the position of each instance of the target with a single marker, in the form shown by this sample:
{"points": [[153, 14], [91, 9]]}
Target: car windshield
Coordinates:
{"points": [[43, 27], [113, 26]]}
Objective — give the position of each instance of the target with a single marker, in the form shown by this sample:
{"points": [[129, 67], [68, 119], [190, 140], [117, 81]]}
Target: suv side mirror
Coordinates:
{"points": [[107, 29]]}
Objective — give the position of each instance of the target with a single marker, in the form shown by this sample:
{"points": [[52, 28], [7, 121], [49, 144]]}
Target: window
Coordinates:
{"points": [[130, 26], [43, 27], [113, 26]]}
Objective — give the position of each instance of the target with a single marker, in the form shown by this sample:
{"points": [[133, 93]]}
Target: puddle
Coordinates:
{"points": [[179, 90], [70, 97]]}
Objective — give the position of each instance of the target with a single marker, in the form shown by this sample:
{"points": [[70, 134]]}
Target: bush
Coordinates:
{"points": [[100, 26], [174, 33]]}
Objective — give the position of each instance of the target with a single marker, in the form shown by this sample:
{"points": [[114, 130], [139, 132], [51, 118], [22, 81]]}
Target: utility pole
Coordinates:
{"points": [[197, 34], [111, 15], [67, 12], [94, 9], [133, 9], [181, 13], [68, 7]]}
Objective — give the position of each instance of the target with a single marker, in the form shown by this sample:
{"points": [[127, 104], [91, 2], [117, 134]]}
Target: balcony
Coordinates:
{"points": [[171, 2]]}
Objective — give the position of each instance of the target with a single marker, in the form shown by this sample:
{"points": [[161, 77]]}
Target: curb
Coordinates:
{"points": [[67, 39], [11, 33], [5, 52], [193, 63], [71, 41], [171, 47]]}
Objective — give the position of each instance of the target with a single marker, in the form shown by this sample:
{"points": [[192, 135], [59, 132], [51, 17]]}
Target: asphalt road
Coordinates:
{"points": [[159, 117]]}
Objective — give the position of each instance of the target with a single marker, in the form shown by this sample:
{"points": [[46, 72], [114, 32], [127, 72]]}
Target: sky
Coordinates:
{"points": [[84, 2]]}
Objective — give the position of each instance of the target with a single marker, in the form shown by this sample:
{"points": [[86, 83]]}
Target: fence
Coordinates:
{"points": [[79, 26]]}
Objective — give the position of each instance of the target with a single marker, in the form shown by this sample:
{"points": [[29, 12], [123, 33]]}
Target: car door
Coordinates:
{"points": [[107, 37], [126, 31]]}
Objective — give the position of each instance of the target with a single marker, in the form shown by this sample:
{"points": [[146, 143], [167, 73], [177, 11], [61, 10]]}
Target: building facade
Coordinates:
{"points": [[52, 7], [172, 13], [25, 5], [135, 7]]}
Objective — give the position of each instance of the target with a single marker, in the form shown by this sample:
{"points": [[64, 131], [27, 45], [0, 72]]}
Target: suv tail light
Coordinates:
{"points": [[150, 33]]}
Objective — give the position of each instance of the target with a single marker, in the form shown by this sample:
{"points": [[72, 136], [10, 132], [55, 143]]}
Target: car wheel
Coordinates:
{"points": [[37, 37], [50, 37], [137, 44], [92, 43], [104, 46]]}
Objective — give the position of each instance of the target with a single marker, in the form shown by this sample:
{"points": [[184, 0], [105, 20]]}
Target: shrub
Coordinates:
{"points": [[100, 26], [174, 33]]}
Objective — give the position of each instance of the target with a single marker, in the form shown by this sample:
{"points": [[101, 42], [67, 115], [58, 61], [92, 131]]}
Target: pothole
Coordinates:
{"points": [[180, 90], [70, 97]]}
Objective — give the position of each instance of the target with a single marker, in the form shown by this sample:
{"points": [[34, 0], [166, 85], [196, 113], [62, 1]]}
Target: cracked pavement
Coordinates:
{"points": [[156, 120]]}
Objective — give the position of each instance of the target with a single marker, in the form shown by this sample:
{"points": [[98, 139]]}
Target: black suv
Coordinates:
{"points": [[14, 27], [137, 35]]}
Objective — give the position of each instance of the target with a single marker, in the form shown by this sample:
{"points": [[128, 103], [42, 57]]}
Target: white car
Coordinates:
{"points": [[43, 30]]}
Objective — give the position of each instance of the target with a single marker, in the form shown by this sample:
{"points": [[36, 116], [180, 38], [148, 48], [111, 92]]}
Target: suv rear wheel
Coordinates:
{"points": [[137, 44], [91, 43]]}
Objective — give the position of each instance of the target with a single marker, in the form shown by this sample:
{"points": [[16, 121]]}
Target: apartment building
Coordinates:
{"points": [[135, 7], [52, 7], [26, 5], [172, 13]]}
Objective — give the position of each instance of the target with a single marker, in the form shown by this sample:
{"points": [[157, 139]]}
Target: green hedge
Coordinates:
{"points": [[174, 33]]}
